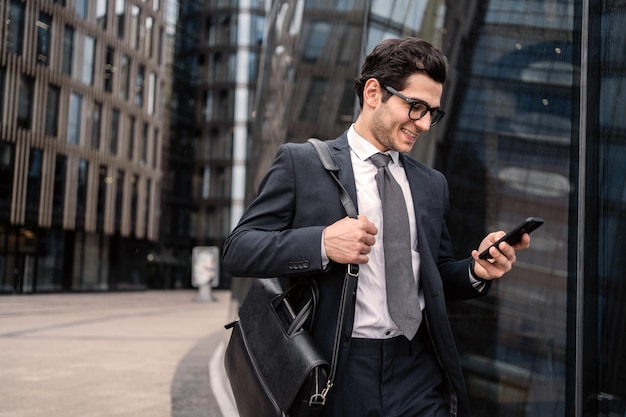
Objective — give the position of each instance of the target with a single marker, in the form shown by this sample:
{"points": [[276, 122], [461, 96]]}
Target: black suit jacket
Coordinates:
{"points": [[280, 235]]}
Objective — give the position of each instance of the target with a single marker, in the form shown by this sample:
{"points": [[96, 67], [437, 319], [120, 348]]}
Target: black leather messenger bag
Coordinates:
{"points": [[272, 363]]}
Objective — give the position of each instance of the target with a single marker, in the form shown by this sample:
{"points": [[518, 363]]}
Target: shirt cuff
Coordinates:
{"points": [[478, 283], [325, 260]]}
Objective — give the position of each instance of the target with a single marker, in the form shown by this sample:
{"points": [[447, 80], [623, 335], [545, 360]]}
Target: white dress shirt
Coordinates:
{"points": [[372, 319]]}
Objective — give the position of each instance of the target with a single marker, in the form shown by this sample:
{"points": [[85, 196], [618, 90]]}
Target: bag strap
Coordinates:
{"points": [[323, 152], [352, 270]]}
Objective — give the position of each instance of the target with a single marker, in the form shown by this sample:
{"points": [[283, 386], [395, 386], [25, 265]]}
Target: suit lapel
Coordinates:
{"points": [[341, 152], [420, 191], [418, 185]]}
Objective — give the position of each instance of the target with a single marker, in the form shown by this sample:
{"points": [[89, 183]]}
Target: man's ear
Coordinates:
{"points": [[372, 93]]}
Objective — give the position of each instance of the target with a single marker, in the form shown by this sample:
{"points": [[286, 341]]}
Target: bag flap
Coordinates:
{"points": [[284, 361]]}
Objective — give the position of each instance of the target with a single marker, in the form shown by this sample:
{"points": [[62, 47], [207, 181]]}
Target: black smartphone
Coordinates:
{"points": [[515, 235]]}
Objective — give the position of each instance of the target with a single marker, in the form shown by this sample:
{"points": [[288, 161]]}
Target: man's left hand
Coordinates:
{"points": [[502, 258]]}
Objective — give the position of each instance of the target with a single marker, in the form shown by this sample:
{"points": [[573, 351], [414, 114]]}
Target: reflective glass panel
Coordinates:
{"points": [[43, 38], [52, 110], [507, 157], [74, 118], [25, 102], [610, 393]]}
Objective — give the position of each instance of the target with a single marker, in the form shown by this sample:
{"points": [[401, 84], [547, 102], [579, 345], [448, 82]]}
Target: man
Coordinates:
{"points": [[297, 226]]}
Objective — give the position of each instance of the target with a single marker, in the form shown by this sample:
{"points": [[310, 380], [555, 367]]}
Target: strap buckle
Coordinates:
{"points": [[319, 399]]}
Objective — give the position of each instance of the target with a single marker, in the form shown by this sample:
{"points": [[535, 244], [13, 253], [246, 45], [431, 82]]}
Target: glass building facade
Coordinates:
{"points": [[534, 131], [82, 127]]}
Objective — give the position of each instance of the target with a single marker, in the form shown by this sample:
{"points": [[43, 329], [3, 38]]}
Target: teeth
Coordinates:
{"points": [[413, 135]]}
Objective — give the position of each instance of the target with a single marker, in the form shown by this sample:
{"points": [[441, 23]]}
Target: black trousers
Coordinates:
{"points": [[390, 378]]}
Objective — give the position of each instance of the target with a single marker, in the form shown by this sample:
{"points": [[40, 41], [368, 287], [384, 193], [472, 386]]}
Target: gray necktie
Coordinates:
{"points": [[402, 300]]}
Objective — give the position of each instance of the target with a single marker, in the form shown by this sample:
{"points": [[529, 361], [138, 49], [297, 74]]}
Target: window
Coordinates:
{"points": [[81, 193], [58, 195], [6, 179], [74, 118], [52, 110], [109, 68], [68, 50], [82, 8], [258, 28], [349, 46], [206, 183], [120, 13], [146, 207], [147, 48], [43, 38], [139, 86], [33, 186], [101, 14], [125, 77], [144, 144], [224, 67], [103, 181], [253, 67], [134, 201], [208, 107], [134, 25], [89, 53], [151, 92], [155, 148], [114, 132], [79, 53], [225, 106], [119, 200], [96, 125], [15, 27], [316, 42], [25, 102], [310, 111], [345, 113], [131, 138], [159, 46], [226, 29]]}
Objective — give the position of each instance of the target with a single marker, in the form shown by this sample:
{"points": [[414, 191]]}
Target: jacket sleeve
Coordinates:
{"points": [[454, 273], [267, 242]]}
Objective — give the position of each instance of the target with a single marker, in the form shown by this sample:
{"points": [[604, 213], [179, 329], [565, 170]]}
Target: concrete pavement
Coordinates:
{"points": [[139, 354]]}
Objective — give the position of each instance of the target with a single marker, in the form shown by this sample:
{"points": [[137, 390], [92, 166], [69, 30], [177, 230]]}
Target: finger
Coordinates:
{"points": [[370, 227], [361, 259], [523, 243], [365, 249], [369, 240]]}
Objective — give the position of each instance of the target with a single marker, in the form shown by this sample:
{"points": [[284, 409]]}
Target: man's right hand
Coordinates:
{"points": [[348, 240]]}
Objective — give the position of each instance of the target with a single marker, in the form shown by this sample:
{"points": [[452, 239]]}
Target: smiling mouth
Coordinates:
{"points": [[409, 133]]}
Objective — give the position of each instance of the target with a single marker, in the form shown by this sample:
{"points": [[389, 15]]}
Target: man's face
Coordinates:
{"points": [[390, 125]]}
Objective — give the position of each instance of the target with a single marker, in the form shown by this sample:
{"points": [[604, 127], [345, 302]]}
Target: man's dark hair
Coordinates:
{"points": [[392, 61]]}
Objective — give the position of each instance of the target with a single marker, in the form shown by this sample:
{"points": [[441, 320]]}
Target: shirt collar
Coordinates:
{"points": [[363, 149]]}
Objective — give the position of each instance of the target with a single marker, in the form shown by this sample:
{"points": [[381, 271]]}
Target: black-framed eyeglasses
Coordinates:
{"points": [[419, 108]]}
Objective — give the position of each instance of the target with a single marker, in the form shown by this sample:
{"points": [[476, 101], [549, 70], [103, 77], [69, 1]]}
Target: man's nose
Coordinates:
{"points": [[424, 123]]}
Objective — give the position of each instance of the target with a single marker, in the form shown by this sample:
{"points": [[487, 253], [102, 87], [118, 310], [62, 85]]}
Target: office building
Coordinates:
{"points": [[82, 125]]}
